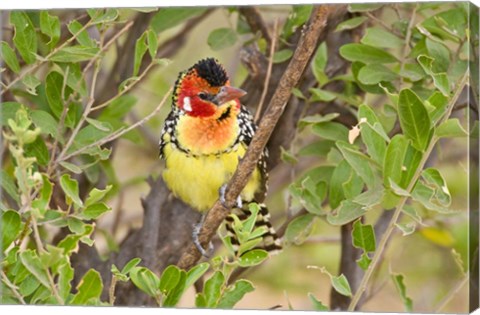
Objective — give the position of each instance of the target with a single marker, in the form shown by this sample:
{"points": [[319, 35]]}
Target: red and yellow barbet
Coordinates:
{"points": [[203, 138]]}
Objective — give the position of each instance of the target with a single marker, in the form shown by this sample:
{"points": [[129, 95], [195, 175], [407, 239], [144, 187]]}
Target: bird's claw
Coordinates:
{"points": [[222, 191], [196, 231]]}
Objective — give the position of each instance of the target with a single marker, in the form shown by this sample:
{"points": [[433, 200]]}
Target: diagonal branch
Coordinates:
{"points": [[290, 79]]}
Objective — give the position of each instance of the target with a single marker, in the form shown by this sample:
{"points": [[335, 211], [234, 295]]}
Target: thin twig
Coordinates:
{"points": [[126, 89], [107, 45], [46, 58], [120, 132], [381, 22], [86, 112], [38, 242], [60, 125], [451, 294], [269, 73], [111, 290], [12, 287], [407, 42], [290, 79], [391, 226]]}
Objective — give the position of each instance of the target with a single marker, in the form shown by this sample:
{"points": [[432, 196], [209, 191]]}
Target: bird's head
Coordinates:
{"points": [[204, 90]]}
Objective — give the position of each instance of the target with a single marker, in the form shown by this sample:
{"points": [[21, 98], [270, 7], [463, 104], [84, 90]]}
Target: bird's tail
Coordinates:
{"points": [[269, 239]]}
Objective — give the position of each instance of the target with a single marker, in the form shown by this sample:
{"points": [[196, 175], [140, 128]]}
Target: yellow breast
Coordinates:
{"points": [[197, 180]]}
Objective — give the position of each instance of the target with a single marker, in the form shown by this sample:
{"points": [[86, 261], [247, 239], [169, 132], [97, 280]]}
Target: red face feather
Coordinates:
{"points": [[202, 89], [189, 97]]}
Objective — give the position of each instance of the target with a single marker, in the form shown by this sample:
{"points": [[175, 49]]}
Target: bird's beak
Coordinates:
{"points": [[228, 93]]}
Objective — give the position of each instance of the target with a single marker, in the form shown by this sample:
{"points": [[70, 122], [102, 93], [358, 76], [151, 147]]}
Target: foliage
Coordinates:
{"points": [[405, 75]]}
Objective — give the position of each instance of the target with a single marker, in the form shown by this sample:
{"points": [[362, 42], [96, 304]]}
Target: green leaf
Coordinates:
{"points": [[341, 174], [297, 17], [33, 264], [351, 23], [28, 286], [82, 38], [439, 102], [39, 150], [70, 187], [341, 285], [195, 273], [450, 128], [94, 211], [130, 265], [71, 167], [65, 276], [96, 195], [45, 121], [375, 73], [309, 193], [8, 185], [75, 54], [174, 295], [318, 148], [413, 72], [364, 261], [440, 80], [406, 228], [282, 55], [213, 289], [425, 195], [167, 18], [299, 229], [407, 302], [11, 225], [414, 119], [100, 125], [394, 160], [319, 62], [8, 55], [317, 305], [331, 130], [90, 287], [440, 54], [53, 91], [50, 26], [25, 37], [99, 16], [118, 108], [360, 163], [366, 54], [378, 37], [346, 212], [221, 38], [433, 177], [152, 43], [234, 293], [145, 280], [140, 50], [169, 279], [252, 258], [314, 119], [373, 134], [363, 236], [200, 300], [321, 95]]}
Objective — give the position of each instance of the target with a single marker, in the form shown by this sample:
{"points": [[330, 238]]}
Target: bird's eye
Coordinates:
{"points": [[203, 95]]}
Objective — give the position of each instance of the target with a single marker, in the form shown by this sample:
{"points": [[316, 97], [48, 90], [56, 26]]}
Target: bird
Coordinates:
{"points": [[202, 140]]}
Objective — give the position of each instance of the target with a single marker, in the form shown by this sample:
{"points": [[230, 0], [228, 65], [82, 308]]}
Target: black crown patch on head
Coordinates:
{"points": [[210, 70]]}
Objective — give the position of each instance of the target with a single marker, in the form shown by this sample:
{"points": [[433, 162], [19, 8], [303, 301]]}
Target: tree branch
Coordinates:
{"points": [[290, 79]]}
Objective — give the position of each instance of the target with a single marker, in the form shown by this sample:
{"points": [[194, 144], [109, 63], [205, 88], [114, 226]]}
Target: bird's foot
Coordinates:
{"points": [[196, 231], [222, 191]]}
